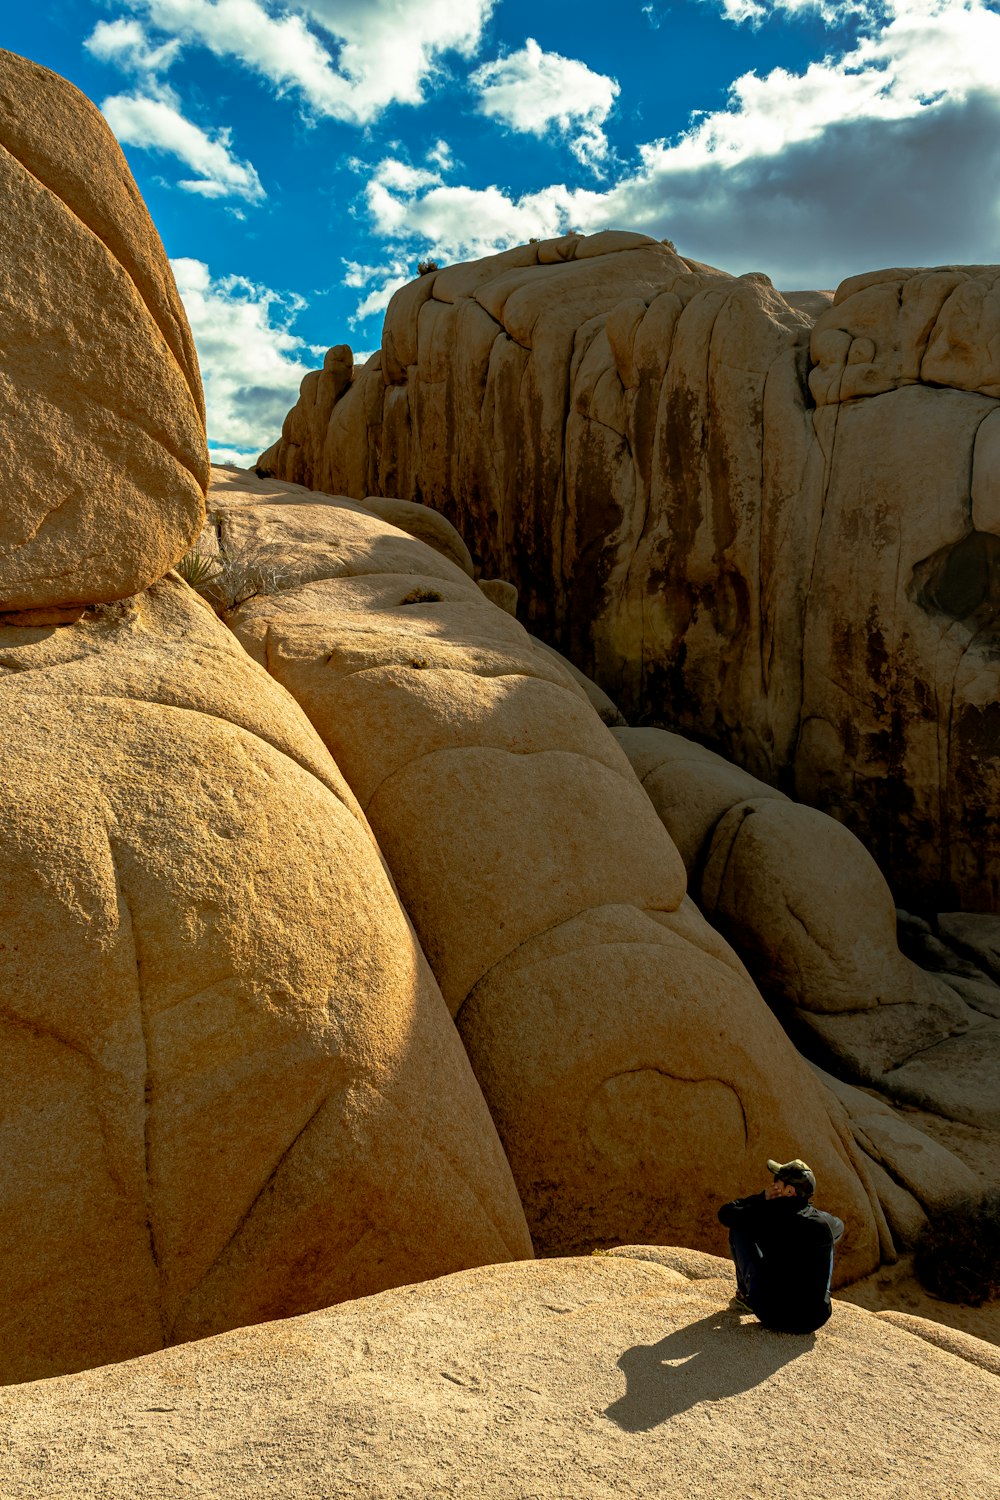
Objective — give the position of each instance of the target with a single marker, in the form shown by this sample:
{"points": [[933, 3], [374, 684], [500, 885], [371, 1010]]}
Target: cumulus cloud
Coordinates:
{"points": [[381, 280], [346, 59], [251, 361], [857, 161], [151, 117], [534, 92], [156, 123], [124, 42], [455, 222]]}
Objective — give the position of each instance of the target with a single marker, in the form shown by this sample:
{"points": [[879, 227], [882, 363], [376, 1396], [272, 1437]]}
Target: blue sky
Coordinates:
{"points": [[299, 158]]}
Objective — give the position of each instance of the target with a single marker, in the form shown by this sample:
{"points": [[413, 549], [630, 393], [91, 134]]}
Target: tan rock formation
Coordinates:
{"points": [[231, 1090], [795, 564], [616, 1039], [912, 1172], [806, 907], [103, 462], [595, 1377], [609, 713], [691, 788]]}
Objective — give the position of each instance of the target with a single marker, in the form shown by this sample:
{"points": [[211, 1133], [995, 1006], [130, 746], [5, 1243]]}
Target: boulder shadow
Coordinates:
{"points": [[716, 1357]]}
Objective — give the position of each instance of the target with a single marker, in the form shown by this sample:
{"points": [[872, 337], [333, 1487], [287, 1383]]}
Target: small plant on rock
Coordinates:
{"points": [[957, 1257], [197, 569], [421, 595], [232, 576], [423, 266]]}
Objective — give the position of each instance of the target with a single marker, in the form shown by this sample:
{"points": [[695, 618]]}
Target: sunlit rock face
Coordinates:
{"points": [[624, 1053], [230, 1087], [103, 460], [772, 523]]}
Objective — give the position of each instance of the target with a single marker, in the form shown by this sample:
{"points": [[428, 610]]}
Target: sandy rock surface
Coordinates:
{"points": [[604, 1021], [590, 1378], [103, 461], [769, 522], [231, 1090]]}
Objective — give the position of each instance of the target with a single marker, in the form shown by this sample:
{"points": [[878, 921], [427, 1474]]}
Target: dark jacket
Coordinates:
{"points": [[795, 1240]]}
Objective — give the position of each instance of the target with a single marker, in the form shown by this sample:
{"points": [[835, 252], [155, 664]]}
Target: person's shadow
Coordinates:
{"points": [[718, 1356]]}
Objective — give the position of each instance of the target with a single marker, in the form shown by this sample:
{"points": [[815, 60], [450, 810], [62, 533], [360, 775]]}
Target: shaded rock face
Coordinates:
{"points": [[779, 536], [598, 1377], [103, 461], [626, 1057], [231, 1090], [809, 911]]}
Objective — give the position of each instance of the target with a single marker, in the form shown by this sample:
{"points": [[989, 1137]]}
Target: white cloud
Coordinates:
{"points": [[251, 361], [458, 222], [381, 280], [833, 12], [887, 154], [125, 43], [383, 51], [156, 124], [441, 156], [534, 91]]}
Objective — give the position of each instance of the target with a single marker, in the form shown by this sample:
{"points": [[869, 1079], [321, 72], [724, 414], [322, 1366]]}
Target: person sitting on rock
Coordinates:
{"points": [[783, 1251]]}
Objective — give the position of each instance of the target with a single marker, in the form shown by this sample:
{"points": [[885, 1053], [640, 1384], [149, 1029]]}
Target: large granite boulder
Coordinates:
{"points": [[103, 461], [624, 1053], [231, 1090], [780, 538], [810, 913], [598, 1377]]}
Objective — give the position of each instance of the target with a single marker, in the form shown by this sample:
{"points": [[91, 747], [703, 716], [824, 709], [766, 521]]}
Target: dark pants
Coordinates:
{"points": [[747, 1259]]}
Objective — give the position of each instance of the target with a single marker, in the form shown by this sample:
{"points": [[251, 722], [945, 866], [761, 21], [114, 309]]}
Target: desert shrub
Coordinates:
{"points": [[423, 266], [957, 1257], [231, 576], [420, 595]]}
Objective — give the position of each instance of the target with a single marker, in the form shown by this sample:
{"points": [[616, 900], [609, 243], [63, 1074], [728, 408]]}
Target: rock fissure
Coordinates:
{"points": [[148, 1084]]}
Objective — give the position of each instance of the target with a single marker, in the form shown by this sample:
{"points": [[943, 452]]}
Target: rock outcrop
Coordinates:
{"points": [[625, 1055], [593, 1377], [231, 1090], [103, 461], [772, 524], [809, 912]]}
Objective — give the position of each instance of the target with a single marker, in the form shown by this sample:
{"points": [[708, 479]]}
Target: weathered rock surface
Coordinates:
{"points": [[616, 1039], [789, 552], [231, 1090], [103, 461], [807, 909], [609, 713], [913, 1175], [595, 1377]]}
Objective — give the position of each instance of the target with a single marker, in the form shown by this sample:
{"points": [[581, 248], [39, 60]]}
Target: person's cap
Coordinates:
{"points": [[795, 1172]]}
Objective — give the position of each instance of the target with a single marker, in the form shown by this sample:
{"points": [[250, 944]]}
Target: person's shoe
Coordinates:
{"points": [[740, 1303]]}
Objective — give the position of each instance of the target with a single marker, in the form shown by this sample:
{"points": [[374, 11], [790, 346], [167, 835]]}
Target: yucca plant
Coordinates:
{"points": [[231, 576], [197, 569]]}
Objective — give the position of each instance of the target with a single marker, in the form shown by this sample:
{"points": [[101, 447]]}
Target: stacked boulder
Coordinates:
{"points": [[103, 460], [634, 1073], [231, 1090], [770, 523]]}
